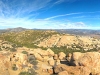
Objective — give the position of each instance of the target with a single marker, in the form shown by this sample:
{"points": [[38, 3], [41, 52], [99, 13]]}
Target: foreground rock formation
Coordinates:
{"points": [[46, 62]]}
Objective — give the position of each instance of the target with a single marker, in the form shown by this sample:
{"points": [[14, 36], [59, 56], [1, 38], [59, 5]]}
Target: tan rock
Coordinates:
{"points": [[91, 60], [45, 58], [45, 67], [63, 73], [38, 57], [61, 55], [58, 62], [85, 70], [70, 69], [50, 52], [22, 57], [76, 55], [51, 62], [55, 56], [98, 74], [50, 71], [43, 53]]}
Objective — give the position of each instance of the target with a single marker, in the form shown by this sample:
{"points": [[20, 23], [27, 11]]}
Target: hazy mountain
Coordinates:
{"points": [[79, 31], [18, 29]]}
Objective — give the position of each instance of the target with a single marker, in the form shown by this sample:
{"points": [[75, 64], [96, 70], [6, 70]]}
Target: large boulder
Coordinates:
{"points": [[51, 62], [50, 52], [46, 67], [85, 70], [62, 55], [91, 60], [38, 57], [69, 70], [21, 57], [43, 53], [4, 65], [75, 57]]}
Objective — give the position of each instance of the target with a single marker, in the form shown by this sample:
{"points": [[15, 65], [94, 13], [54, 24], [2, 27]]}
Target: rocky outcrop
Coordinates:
{"points": [[71, 70], [38, 57], [90, 60], [75, 63], [3, 65]]}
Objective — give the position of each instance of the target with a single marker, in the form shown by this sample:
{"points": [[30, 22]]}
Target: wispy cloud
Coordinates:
{"points": [[61, 1], [61, 15], [79, 17], [18, 8], [77, 13]]}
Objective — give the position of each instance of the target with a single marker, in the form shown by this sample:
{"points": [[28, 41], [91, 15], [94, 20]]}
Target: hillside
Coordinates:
{"points": [[27, 38], [51, 39]]}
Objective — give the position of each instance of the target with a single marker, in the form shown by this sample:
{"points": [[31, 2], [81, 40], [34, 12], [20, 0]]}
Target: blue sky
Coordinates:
{"points": [[50, 14]]}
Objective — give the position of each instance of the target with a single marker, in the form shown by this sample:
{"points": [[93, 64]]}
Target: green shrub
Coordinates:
{"points": [[0, 49], [24, 52], [25, 73], [13, 50], [32, 60], [30, 72]]}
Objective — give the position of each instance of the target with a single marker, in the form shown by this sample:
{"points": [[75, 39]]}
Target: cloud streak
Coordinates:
{"points": [[61, 15], [77, 13]]}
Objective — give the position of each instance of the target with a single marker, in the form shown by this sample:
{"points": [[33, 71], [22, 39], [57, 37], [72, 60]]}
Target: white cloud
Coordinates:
{"points": [[73, 25], [41, 23]]}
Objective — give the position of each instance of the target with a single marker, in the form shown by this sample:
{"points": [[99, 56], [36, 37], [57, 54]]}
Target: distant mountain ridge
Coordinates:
{"points": [[75, 31], [18, 29], [79, 31], [82, 32]]}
